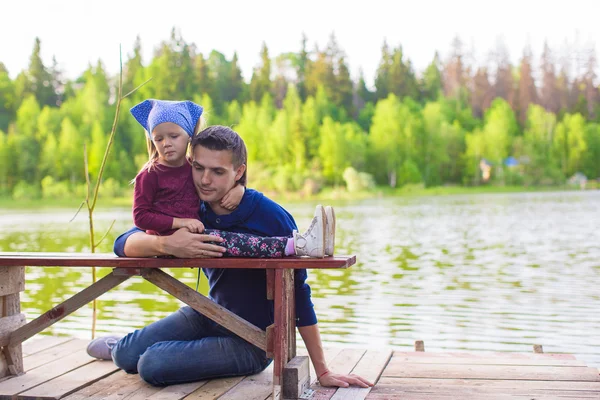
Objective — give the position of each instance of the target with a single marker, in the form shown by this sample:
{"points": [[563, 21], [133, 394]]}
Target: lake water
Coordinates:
{"points": [[497, 272]]}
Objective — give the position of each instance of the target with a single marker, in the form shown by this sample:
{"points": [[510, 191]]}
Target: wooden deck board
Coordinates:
{"points": [[38, 376], [214, 388], [406, 375], [516, 372], [253, 387], [39, 343], [71, 381], [53, 353], [517, 359], [370, 367], [343, 363], [104, 387]]}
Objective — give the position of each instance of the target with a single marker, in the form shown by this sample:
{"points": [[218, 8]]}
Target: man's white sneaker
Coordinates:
{"points": [[312, 242], [329, 230]]}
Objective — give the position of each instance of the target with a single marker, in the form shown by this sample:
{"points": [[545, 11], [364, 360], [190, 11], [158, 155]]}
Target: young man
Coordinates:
{"points": [[186, 346]]}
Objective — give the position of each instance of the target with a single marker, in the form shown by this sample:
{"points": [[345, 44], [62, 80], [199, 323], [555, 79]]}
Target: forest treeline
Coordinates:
{"points": [[308, 124]]}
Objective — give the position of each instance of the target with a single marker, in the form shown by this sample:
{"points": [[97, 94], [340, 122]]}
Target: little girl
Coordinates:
{"points": [[165, 197]]}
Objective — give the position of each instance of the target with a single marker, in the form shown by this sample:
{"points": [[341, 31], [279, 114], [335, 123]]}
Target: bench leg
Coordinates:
{"points": [[285, 327]]}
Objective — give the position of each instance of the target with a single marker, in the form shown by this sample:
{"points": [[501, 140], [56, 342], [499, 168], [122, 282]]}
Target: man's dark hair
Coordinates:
{"points": [[219, 137]]}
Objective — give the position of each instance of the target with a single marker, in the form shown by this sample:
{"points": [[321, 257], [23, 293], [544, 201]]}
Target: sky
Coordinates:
{"points": [[79, 32]]}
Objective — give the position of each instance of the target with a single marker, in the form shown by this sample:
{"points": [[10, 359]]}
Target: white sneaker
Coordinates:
{"points": [[312, 242], [329, 230]]}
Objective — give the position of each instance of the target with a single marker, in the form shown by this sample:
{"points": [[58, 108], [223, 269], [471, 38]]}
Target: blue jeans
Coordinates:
{"points": [[186, 347]]}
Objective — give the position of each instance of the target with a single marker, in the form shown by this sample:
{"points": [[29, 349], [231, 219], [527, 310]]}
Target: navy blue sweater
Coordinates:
{"points": [[243, 291]]}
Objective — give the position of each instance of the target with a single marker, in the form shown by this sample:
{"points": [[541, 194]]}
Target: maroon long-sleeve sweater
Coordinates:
{"points": [[163, 194]]}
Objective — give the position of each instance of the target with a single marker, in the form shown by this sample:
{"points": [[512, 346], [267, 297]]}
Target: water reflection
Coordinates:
{"points": [[488, 272]]}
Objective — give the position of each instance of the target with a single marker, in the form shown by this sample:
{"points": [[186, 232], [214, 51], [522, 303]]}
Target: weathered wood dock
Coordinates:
{"points": [[59, 368]]}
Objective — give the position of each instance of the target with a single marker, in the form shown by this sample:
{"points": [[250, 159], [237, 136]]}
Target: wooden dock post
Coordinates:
{"points": [[419, 345], [12, 281]]}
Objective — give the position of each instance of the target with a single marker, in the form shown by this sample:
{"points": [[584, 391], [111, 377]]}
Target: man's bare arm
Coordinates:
{"points": [[181, 244]]}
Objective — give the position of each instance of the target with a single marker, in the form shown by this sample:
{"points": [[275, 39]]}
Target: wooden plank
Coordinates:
{"points": [[429, 396], [215, 388], [491, 360], [18, 384], [329, 352], [400, 388], [8, 325], [370, 367], [454, 371], [394, 385], [65, 308], [176, 392], [71, 381], [3, 366], [253, 387], [110, 260], [54, 353], [13, 356], [133, 389], [522, 356], [295, 377], [104, 387], [343, 363], [12, 279], [281, 316], [291, 315], [270, 284], [207, 307], [39, 343], [10, 305]]}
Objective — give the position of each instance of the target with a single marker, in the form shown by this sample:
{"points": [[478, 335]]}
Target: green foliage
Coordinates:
{"points": [[54, 190], [305, 121], [409, 173], [358, 181], [26, 191]]}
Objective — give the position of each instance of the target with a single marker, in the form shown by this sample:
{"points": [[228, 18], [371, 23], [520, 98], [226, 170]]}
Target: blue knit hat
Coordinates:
{"points": [[150, 113]]}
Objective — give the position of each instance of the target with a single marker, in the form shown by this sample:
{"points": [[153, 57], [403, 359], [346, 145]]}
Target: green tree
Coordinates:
{"points": [[27, 145], [569, 143], [37, 80], [260, 83], [70, 148], [7, 98], [332, 150], [431, 83], [539, 164], [591, 162], [382, 77]]}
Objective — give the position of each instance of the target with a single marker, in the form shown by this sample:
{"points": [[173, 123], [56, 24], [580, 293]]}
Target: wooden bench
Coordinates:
{"points": [[290, 373]]}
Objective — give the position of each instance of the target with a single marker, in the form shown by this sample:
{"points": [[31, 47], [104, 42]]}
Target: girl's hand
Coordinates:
{"points": [[193, 225], [233, 198]]}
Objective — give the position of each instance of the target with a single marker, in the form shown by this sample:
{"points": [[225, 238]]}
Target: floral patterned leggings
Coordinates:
{"points": [[247, 245]]}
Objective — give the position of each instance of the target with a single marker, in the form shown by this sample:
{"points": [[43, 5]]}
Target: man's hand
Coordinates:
{"points": [[184, 244], [192, 225], [339, 380]]}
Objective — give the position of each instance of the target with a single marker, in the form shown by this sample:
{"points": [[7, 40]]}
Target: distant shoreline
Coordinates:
{"points": [[328, 194]]}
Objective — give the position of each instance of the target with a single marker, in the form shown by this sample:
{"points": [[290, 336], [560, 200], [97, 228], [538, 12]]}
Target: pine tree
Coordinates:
{"points": [[301, 67], [236, 82], [382, 77], [431, 83], [482, 93], [454, 72], [527, 89], [260, 84], [548, 91]]}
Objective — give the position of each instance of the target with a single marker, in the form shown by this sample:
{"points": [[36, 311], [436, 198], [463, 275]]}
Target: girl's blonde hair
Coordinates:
{"points": [[153, 153]]}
